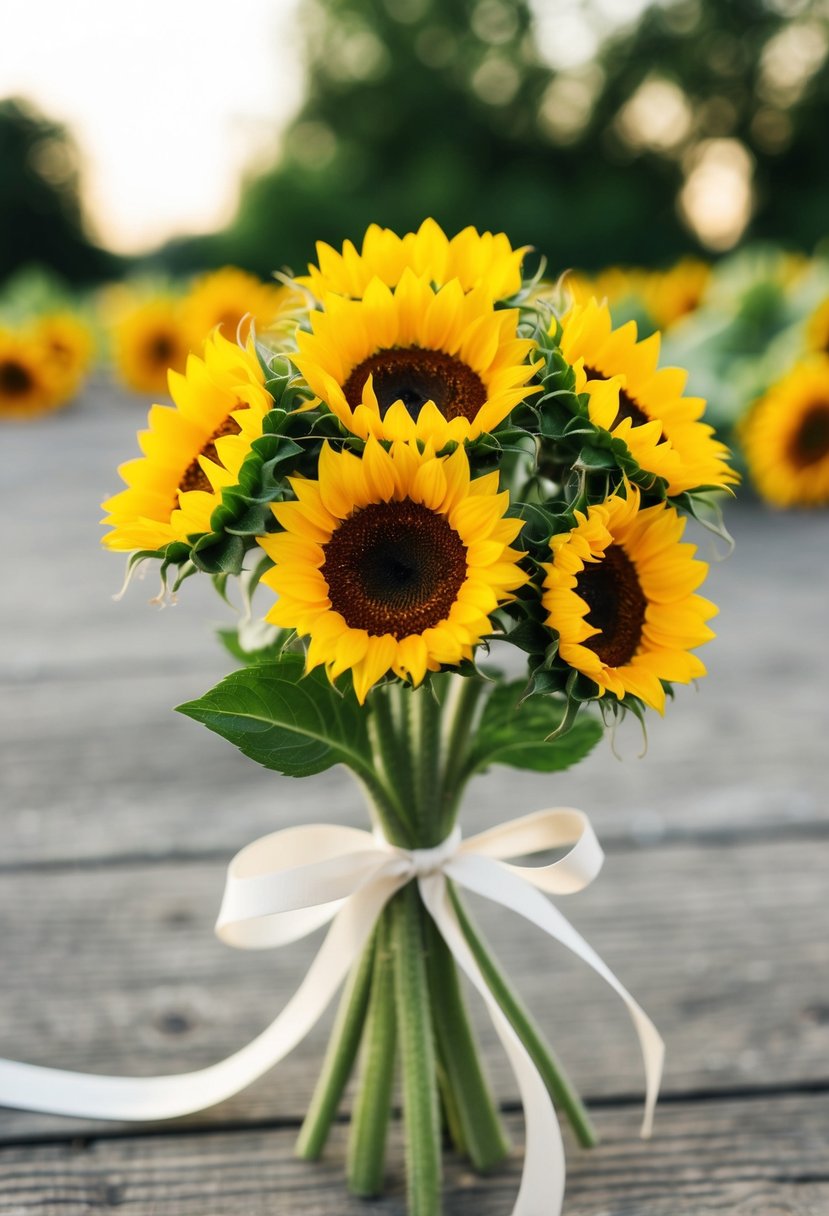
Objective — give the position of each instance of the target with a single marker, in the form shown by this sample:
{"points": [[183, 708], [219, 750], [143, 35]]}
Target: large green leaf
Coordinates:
{"points": [[287, 721], [517, 734]]}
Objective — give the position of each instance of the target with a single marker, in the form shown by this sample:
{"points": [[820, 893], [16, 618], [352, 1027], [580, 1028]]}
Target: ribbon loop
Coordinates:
{"points": [[561, 827]]}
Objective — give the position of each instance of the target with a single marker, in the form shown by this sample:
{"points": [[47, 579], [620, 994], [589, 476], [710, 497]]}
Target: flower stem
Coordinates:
{"points": [[460, 722], [372, 1109], [339, 1057], [482, 1133], [389, 739], [558, 1084], [448, 1105], [425, 713], [417, 1047]]}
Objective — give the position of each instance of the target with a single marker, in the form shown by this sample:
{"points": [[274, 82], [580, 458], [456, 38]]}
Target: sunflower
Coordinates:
{"points": [[391, 562], [672, 294], [616, 285], [476, 259], [149, 339], [620, 594], [68, 345], [786, 437], [439, 365], [228, 296], [644, 405], [191, 451], [29, 383]]}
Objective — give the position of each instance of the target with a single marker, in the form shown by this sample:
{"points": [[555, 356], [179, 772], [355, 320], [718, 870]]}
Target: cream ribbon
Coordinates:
{"points": [[286, 885]]}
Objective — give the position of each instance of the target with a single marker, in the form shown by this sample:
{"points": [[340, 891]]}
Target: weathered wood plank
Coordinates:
{"points": [[744, 1157], [126, 774], [117, 970]]}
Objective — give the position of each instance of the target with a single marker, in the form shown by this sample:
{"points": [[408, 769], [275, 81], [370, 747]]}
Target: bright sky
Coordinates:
{"points": [[169, 100]]}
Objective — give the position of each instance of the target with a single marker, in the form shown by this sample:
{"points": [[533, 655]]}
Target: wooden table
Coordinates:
{"points": [[119, 816]]}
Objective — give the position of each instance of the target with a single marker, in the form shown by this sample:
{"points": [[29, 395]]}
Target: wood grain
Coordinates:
{"points": [[745, 1158]]}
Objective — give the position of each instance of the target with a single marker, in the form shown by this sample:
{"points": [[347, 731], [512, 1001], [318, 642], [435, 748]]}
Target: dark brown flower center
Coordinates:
{"points": [[161, 349], [194, 476], [15, 379], [810, 441], [394, 567], [617, 604], [628, 408], [414, 376]]}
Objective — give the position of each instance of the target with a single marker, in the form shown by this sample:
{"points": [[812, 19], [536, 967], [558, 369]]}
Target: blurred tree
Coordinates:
{"points": [[726, 83], [40, 214], [447, 107]]}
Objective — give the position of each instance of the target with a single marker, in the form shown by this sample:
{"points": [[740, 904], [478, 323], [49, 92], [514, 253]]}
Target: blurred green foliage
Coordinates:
{"points": [[40, 212], [447, 108]]}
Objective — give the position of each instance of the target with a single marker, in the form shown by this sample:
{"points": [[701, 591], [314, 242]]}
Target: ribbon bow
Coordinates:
{"points": [[285, 885]]}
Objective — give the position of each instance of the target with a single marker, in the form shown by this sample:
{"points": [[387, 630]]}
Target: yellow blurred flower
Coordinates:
{"points": [[30, 384], [670, 295], [149, 339], [68, 344], [229, 297], [785, 437]]}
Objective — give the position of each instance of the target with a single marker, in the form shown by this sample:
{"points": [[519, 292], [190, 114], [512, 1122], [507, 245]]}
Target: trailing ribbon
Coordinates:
{"points": [[286, 885]]}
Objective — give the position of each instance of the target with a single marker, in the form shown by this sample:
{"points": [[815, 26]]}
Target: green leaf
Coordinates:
{"points": [[251, 658], [293, 723], [518, 736]]}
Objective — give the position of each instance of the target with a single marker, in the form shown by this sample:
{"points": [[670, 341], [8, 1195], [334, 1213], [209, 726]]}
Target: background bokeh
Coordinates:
{"points": [[601, 131]]}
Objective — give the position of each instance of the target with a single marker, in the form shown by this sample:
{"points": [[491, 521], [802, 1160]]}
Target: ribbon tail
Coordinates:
{"points": [[542, 1182], [59, 1092], [495, 882]]}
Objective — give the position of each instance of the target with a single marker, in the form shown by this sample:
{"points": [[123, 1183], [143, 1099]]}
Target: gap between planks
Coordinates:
{"points": [[747, 1159]]}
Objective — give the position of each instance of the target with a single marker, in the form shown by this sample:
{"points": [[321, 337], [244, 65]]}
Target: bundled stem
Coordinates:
{"points": [[339, 1058], [558, 1084], [417, 1051], [372, 1109], [466, 1091], [404, 999]]}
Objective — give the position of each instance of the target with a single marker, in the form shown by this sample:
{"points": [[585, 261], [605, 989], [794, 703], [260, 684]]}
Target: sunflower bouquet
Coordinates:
{"points": [[435, 463]]}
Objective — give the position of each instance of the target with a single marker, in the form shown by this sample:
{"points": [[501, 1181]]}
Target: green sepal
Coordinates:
{"points": [[529, 635], [702, 505], [563, 419], [293, 723], [517, 732], [541, 521], [219, 554]]}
